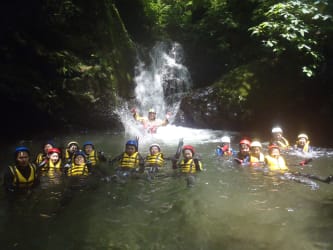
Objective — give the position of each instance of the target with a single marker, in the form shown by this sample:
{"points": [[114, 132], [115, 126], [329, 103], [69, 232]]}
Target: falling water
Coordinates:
{"points": [[161, 84]]}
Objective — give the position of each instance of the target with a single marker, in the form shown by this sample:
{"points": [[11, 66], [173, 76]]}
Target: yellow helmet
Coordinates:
{"points": [[152, 111]]}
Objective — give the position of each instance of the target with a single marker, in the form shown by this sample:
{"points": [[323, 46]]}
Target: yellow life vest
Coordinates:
{"points": [[306, 147], [155, 160], [19, 180], [189, 166], [68, 156], [275, 163], [92, 158], [78, 170], [40, 158], [255, 159], [283, 143], [129, 161]]}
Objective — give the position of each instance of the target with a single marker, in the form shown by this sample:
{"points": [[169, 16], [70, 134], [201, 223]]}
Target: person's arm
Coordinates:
{"points": [[141, 163], [8, 179]]}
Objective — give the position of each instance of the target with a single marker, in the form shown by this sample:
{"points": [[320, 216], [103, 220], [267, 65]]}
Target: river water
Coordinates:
{"points": [[229, 207]]}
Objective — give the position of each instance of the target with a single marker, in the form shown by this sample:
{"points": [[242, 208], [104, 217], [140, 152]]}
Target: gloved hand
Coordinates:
{"points": [[167, 116], [67, 165]]}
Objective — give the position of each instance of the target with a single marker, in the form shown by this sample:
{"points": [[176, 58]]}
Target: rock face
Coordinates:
{"points": [[64, 63]]}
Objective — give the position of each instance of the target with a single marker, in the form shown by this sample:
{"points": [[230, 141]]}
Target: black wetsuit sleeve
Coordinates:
{"points": [[8, 179]]}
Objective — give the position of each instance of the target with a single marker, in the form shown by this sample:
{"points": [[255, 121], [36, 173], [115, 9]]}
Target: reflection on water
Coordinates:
{"points": [[228, 208]]}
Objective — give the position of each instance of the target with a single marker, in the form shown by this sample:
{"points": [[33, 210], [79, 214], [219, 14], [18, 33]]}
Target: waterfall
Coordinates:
{"points": [[162, 83]]}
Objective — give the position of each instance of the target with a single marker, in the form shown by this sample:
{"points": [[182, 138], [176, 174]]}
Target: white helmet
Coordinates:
{"points": [[276, 130], [303, 136], [155, 145], [225, 139], [256, 144]]}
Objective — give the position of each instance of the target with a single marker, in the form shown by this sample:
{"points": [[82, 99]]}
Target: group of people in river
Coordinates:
{"points": [[251, 154], [75, 162]]}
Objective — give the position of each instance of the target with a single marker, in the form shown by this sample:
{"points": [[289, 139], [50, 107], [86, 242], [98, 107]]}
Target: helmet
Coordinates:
{"points": [[88, 143], [155, 145], [71, 143], [132, 143], [49, 142], [303, 136], [277, 130], [188, 147], [256, 144], [245, 141], [21, 149], [225, 139], [273, 145], [152, 111], [53, 150], [79, 152]]}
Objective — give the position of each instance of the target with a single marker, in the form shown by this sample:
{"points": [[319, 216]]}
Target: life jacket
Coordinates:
{"points": [[244, 158], [40, 158], [254, 160], [155, 160], [19, 181], [305, 149], [78, 170], [283, 143], [129, 161], [224, 151], [51, 166], [275, 163], [92, 158], [189, 166], [68, 156]]}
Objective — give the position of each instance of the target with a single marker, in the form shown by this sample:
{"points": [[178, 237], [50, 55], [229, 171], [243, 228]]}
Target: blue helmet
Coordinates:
{"points": [[88, 143], [132, 143], [21, 149], [80, 152]]}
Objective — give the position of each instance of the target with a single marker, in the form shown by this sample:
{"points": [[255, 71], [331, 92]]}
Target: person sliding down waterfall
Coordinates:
{"points": [[150, 123]]}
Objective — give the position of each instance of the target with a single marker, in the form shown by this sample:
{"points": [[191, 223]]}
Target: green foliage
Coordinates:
{"points": [[295, 27]]}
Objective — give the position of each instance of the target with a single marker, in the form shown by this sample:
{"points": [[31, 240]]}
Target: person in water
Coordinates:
{"points": [[71, 148], [22, 175], [93, 156], [303, 144], [224, 149], [189, 165], [42, 158], [257, 158], [155, 159], [277, 138], [130, 162], [53, 160], [79, 166], [150, 123], [273, 160], [243, 156]]}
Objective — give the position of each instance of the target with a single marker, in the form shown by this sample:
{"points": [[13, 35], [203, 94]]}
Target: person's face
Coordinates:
{"points": [[130, 149], [88, 149], [301, 142], [151, 116], [275, 152], [154, 150], [277, 136], [79, 159], [73, 148], [255, 150], [54, 157], [244, 149], [47, 147], [22, 159], [187, 154]]}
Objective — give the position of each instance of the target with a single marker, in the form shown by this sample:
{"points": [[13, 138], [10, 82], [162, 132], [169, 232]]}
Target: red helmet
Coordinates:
{"points": [[273, 145], [53, 150], [245, 141], [189, 147]]}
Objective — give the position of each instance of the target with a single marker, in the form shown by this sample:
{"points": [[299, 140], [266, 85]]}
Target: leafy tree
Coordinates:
{"points": [[295, 27]]}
